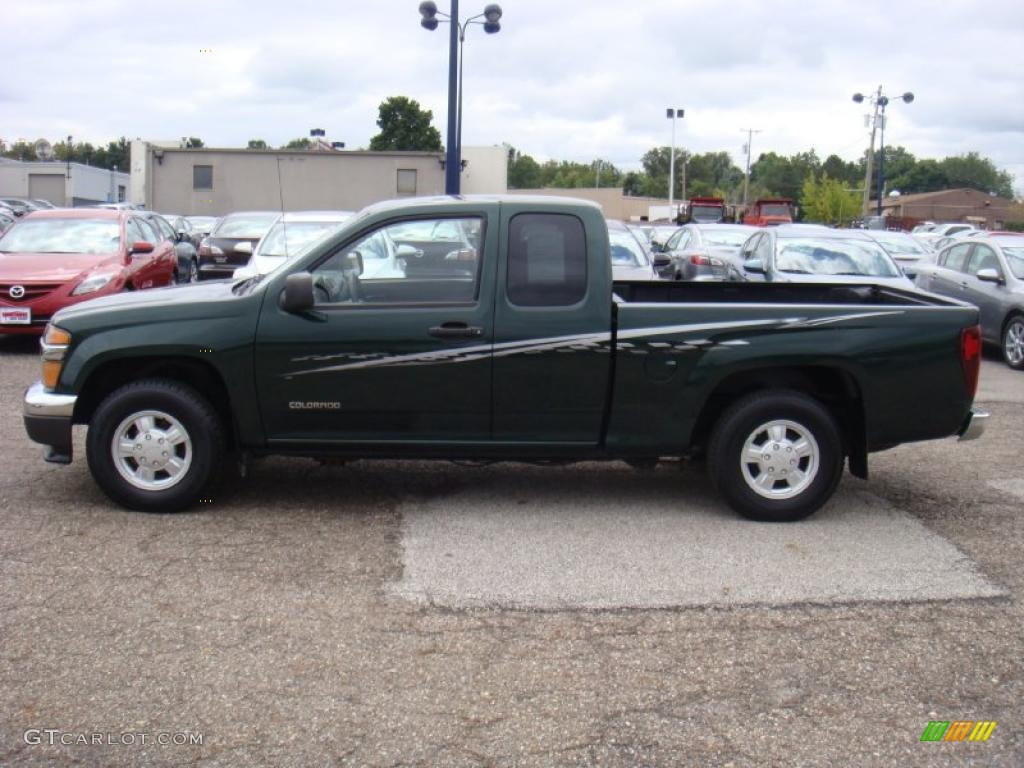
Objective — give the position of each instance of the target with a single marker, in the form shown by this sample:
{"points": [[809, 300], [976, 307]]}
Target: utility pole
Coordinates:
{"points": [[871, 154], [746, 175]]}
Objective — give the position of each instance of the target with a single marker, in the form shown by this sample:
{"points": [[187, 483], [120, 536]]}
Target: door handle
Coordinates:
{"points": [[456, 330]]}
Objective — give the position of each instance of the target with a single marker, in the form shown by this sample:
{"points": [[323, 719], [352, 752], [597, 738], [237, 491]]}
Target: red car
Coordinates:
{"points": [[51, 259]]}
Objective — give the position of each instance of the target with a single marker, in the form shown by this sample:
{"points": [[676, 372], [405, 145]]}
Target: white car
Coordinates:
{"points": [[288, 236]]}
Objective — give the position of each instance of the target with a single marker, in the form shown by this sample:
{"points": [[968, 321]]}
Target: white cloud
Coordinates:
{"points": [[571, 81]]}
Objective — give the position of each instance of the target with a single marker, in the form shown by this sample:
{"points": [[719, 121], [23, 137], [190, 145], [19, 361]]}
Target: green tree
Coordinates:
{"points": [[405, 126], [926, 176], [656, 165], [116, 153], [194, 143], [523, 171], [633, 184], [784, 176], [849, 173], [21, 150], [828, 201], [257, 144], [977, 172], [303, 142]]}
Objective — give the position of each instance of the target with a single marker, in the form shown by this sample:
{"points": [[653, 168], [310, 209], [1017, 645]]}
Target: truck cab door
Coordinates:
{"points": [[383, 358], [552, 340]]}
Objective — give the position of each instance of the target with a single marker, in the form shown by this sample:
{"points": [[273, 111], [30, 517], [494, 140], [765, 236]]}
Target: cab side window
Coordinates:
{"points": [[547, 260], [403, 263]]}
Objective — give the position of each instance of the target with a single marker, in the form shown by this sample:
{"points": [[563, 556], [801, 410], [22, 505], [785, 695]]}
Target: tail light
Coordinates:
{"points": [[700, 260], [970, 357]]}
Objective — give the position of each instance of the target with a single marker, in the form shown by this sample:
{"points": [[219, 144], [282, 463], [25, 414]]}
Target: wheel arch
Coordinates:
{"points": [[834, 387], [200, 375]]}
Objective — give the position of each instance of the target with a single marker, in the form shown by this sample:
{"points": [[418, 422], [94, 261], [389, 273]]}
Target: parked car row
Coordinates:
{"points": [[982, 268]]}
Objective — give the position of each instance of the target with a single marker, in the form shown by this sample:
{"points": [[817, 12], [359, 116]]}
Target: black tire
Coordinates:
{"points": [[203, 446], [1015, 325], [779, 502]]}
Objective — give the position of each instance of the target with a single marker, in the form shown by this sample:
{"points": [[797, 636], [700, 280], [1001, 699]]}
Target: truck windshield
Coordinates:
{"points": [[705, 213], [774, 209], [63, 236], [834, 256]]}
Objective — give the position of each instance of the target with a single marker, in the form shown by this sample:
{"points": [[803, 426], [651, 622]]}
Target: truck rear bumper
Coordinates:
{"points": [[48, 421], [974, 425]]}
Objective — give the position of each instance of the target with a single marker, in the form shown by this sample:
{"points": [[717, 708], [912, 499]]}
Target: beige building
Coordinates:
{"points": [[950, 205], [614, 204], [218, 181]]}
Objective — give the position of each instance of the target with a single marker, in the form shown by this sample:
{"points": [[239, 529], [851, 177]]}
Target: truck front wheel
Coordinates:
{"points": [[776, 456], [155, 446]]}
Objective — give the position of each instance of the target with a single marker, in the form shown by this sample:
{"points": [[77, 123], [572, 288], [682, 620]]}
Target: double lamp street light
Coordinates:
{"points": [[877, 120], [491, 16]]}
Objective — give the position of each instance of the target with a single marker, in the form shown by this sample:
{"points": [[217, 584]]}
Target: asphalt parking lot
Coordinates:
{"points": [[409, 613]]}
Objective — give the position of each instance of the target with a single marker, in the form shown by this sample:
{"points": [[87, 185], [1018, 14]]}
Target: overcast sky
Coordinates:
{"points": [[564, 80]]}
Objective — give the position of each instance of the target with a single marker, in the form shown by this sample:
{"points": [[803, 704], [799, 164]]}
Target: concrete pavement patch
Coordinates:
{"points": [[607, 537]]}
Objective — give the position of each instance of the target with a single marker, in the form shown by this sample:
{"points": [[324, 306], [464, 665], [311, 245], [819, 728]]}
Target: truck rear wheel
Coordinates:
{"points": [[776, 456], [155, 446]]}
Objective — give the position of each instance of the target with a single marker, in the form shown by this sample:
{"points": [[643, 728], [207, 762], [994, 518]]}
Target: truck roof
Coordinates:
{"points": [[469, 201]]}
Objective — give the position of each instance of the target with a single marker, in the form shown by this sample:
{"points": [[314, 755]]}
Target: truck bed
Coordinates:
{"points": [[683, 292]]}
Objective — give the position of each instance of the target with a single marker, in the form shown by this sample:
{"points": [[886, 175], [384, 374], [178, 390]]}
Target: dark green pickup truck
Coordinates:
{"points": [[489, 328]]}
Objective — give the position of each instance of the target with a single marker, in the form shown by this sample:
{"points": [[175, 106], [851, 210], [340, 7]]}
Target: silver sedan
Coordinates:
{"points": [[989, 273]]}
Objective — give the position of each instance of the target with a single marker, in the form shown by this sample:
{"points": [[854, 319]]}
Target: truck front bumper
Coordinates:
{"points": [[48, 421], [974, 425]]}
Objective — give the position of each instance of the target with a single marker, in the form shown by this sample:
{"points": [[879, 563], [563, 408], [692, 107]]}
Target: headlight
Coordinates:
{"points": [[54, 345], [93, 283]]}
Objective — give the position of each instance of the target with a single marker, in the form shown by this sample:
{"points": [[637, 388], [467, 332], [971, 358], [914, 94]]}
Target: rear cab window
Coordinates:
{"points": [[547, 260]]}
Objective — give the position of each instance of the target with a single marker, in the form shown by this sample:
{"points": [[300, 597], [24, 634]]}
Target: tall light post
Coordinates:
{"points": [[877, 119], [491, 16], [672, 114], [748, 148]]}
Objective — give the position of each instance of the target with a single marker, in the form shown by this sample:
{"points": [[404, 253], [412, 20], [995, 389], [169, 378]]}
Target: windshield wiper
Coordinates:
{"points": [[795, 271]]}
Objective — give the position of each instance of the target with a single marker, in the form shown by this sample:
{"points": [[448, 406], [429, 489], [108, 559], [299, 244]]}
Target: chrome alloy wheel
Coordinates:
{"points": [[780, 459], [151, 450], [1013, 344]]}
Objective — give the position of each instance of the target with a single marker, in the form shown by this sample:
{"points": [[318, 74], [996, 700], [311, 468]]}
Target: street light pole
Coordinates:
{"points": [[746, 175], [429, 12], [879, 101], [672, 114], [451, 168]]}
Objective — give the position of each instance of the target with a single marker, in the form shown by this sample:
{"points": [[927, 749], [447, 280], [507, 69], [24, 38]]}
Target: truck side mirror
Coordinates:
{"points": [[297, 295], [754, 265]]}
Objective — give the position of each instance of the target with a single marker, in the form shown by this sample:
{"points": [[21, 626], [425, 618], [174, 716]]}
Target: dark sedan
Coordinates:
{"points": [[231, 243]]}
